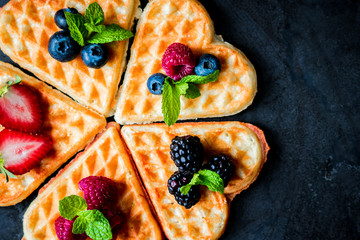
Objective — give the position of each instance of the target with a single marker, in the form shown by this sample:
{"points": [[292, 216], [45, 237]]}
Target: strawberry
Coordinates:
{"points": [[20, 107], [20, 152]]}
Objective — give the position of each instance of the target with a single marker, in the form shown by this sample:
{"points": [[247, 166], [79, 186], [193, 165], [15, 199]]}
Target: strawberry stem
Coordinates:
{"points": [[4, 171], [5, 89]]}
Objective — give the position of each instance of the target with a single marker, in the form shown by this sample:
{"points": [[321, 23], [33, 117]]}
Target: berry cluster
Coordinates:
{"points": [[179, 61], [99, 193], [64, 48], [187, 152]]}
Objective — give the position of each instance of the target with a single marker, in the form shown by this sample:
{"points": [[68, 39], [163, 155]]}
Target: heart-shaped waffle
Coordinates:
{"points": [[150, 146], [70, 125], [186, 21], [25, 30], [106, 156]]}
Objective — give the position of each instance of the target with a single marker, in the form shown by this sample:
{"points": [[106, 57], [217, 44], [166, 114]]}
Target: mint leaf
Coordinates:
{"points": [[111, 33], [97, 227], [94, 28], [200, 79], [181, 88], [76, 27], [4, 171], [205, 177], [170, 102], [192, 92], [94, 14], [71, 206], [79, 225]]}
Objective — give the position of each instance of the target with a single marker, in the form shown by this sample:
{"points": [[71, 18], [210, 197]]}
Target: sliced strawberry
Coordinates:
{"points": [[21, 151], [20, 108]]}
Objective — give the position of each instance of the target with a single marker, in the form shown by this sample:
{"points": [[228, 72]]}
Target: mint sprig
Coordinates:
{"points": [[4, 171], [90, 28], [76, 23], [92, 222], [170, 102], [94, 14], [111, 33], [173, 90], [205, 177]]}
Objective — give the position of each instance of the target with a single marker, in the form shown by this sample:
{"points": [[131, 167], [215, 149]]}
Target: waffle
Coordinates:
{"points": [[106, 156], [25, 29], [186, 21], [150, 146], [70, 126]]}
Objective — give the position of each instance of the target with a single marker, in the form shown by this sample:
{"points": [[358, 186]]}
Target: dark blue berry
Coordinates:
{"points": [[62, 47], [187, 152], [176, 181], [222, 165], [155, 83], [94, 55], [60, 19], [207, 64]]}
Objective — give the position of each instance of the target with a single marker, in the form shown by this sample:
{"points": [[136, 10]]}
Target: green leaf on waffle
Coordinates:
{"points": [[4, 171], [200, 79], [71, 206], [94, 28], [77, 27], [205, 177], [192, 92], [97, 226], [170, 102], [94, 14], [79, 226], [111, 33]]}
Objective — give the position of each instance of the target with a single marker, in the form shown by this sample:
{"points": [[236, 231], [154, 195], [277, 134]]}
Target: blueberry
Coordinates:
{"points": [[94, 55], [60, 19], [155, 83], [207, 64], [62, 47]]}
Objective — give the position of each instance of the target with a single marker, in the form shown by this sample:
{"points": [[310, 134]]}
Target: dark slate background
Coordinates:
{"points": [[307, 57]]}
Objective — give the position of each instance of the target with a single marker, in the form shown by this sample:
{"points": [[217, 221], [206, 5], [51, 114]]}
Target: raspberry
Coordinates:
{"points": [[63, 229], [178, 61], [187, 152], [114, 217], [176, 181], [222, 165], [99, 192]]}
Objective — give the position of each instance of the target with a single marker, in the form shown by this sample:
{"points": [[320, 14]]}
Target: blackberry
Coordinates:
{"points": [[222, 165], [187, 153], [176, 181]]}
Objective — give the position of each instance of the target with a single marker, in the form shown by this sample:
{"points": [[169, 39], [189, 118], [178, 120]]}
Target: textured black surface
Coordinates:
{"points": [[307, 57]]}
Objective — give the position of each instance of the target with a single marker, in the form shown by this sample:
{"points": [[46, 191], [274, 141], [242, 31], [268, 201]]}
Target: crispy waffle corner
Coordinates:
{"points": [[149, 146], [70, 126], [162, 23], [106, 156], [25, 29]]}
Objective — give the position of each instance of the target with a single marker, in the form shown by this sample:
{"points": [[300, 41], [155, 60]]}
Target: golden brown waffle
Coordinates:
{"points": [[25, 29], [186, 21], [70, 126], [150, 147], [106, 156]]}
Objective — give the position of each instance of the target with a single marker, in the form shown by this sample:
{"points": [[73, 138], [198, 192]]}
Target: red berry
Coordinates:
{"points": [[20, 108], [63, 229], [99, 192], [178, 61], [21, 151], [114, 217]]}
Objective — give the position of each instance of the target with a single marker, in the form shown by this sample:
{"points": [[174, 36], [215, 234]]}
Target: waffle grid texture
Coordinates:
{"points": [[25, 29], [162, 23], [107, 156], [70, 126], [150, 147]]}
